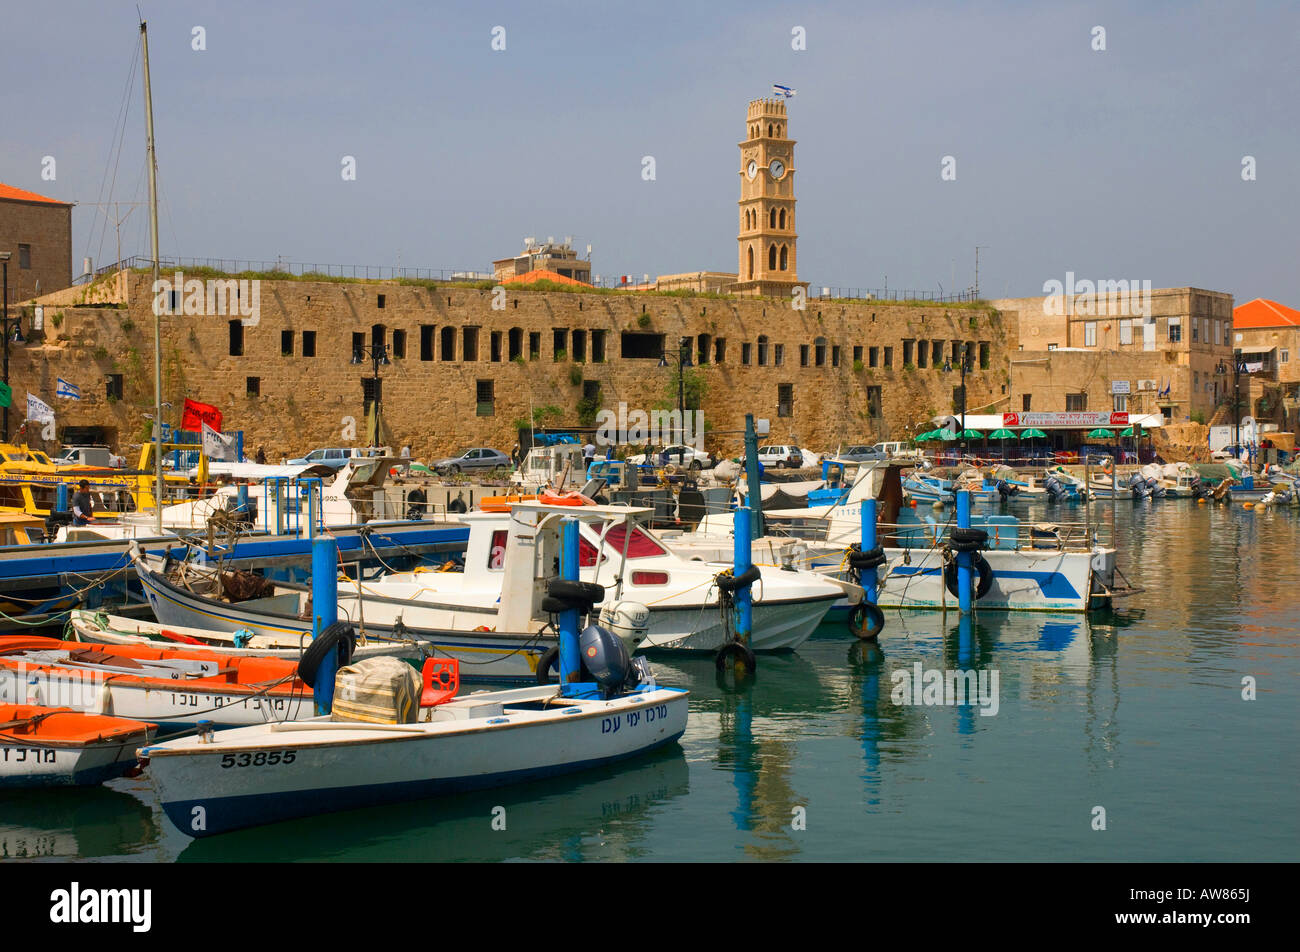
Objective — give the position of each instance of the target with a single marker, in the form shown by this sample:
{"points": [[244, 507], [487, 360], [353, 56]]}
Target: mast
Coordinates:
{"points": [[157, 320]]}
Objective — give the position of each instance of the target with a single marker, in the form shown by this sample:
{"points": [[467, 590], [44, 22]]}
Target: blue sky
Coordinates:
{"points": [[1123, 163]]}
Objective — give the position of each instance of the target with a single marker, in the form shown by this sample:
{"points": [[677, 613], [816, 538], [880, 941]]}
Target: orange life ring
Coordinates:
{"points": [[1108, 467], [574, 498]]}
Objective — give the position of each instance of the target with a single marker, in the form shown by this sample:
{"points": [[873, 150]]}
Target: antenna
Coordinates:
{"points": [[977, 269]]}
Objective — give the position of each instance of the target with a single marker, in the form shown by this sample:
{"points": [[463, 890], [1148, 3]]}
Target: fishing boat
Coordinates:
{"points": [[213, 783], [1022, 567], [173, 687], [105, 629], [56, 746]]}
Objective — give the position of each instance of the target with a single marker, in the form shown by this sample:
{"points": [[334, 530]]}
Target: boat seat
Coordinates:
{"points": [[441, 678]]}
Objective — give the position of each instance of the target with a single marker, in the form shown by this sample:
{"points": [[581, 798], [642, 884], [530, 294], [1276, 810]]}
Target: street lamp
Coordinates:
{"points": [[683, 361], [965, 365], [1238, 368], [378, 354]]}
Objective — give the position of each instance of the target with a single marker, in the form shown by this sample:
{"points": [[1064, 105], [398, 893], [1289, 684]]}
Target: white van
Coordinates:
{"points": [[895, 450]]}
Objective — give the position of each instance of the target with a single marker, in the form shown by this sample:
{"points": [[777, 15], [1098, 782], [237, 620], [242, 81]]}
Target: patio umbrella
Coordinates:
{"points": [[1101, 433], [1032, 434], [925, 437], [1140, 432], [1003, 434], [969, 434]]}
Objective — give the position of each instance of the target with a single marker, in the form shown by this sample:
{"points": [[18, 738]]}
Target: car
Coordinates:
{"points": [[478, 457], [687, 457], [334, 457], [780, 455], [861, 454]]}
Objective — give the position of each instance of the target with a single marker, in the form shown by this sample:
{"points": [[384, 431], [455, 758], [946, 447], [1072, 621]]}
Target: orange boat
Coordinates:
{"points": [[175, 687], [56, 746]]}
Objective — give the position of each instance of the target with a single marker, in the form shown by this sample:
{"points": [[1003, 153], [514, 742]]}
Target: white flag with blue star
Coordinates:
{"points": [[65, 389], [779, 90]]}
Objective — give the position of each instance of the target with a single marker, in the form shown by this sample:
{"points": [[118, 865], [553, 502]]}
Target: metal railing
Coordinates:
{"points": [[235, 266], [893, 294]]}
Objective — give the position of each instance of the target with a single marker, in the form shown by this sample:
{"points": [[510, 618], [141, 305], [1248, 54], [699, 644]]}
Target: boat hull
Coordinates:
{"points": [[264, 775]]}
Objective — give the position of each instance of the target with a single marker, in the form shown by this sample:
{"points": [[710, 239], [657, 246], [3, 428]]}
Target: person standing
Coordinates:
{"points": [[83, 509], [261, 456]]}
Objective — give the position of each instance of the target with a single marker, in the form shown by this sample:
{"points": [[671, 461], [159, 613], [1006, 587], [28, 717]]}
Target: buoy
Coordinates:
{"points": [[1200, 501], [1248, 505]]}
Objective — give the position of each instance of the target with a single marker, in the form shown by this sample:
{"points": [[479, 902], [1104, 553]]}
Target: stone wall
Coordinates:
{"points": [[432, 404]]}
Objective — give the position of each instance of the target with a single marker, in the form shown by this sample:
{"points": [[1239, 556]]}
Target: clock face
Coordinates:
{"points": [[777, 168], [752, 170]]}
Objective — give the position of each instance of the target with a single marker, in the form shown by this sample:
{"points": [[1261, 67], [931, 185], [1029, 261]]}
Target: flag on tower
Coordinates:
{"points": [[779, 90]]}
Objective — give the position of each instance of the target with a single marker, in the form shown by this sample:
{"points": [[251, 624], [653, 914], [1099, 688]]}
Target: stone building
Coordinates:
{"points": [[1116, 346], [466, 373], [37, 231], [768, 255], [1268, 336], [547, 256]]}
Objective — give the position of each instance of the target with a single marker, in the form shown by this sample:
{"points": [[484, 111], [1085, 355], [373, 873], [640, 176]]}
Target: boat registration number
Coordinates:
{"points": [[261, 758], [18, 755]]}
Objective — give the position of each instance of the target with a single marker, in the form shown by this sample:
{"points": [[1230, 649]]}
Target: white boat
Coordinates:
{"points": [[57, 747], [172, 687], [549, 467], [622, 554], [1024, 568], [102, 628], [230, 779]]}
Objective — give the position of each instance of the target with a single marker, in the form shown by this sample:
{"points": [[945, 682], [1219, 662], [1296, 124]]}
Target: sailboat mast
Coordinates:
{"points": [[157, 320]]}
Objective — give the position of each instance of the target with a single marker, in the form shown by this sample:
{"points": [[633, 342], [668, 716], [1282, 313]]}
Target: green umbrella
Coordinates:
{"points": [[944, 435], [1101, 433], [969, 435], [1002, 434], [923, 437], [1032, 434], [1129, 432]]}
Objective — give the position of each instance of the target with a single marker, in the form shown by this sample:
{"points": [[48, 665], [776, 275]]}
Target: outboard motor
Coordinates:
{"points": [[1138, 486], [1154, 489], [1004, 489], [628, 621], [1055, 491], [605, 658]]}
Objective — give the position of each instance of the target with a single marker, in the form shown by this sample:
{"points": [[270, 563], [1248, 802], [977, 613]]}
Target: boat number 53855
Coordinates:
{"points": [[261, 758]]}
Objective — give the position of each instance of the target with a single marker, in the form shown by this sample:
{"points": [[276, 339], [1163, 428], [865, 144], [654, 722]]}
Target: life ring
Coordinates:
{"points": [[340, 637], [670, 469], [1108, 466], [573, 498], [866, 621], [978, 564]]}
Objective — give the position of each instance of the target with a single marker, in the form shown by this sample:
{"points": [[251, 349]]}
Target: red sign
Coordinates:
{"points": [[1071, 419], [196, 414]]}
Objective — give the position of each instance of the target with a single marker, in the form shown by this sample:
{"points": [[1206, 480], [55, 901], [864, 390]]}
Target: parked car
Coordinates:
{"points": [[781, 456], [861, 454], [686, 457], [333, 457], [479, 457], [89, 456]]}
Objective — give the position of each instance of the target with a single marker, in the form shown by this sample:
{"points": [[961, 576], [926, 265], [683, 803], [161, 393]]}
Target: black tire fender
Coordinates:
{"points": [[575, 591], [733, 583], [738, 655], [980, 565], [340, 637], [549, 659], [866, 621]]}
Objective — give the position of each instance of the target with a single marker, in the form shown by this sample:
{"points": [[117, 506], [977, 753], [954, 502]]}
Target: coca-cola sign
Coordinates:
{"points": [[1078, 419]]}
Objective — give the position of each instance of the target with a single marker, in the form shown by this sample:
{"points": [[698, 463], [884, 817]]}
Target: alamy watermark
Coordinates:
{"points": [[934, 687], [1104, 298], [660, 427], [211, 298], [79, 690]]}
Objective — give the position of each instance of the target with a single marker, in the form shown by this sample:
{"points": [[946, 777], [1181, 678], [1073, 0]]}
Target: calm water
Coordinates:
{"points": [[1139, 712]]}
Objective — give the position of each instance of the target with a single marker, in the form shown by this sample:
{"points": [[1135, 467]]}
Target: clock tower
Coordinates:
{"points": [[767, 231]]}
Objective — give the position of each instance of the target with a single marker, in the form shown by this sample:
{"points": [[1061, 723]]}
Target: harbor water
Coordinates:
{"points": [[1164, 730]]}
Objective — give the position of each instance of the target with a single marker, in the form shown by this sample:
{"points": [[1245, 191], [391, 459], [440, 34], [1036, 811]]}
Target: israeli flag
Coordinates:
{"points": [[779, 90], [65, 389]]}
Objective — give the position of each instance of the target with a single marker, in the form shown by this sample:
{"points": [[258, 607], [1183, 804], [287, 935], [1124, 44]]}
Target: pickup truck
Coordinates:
{"points": [[89, 456]]}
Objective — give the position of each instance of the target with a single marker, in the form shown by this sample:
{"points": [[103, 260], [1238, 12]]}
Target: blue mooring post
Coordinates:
{"points": [[753, 490], [869, 578], [964, 559], [241, 494], [570, 660], [325, 612], [61, 498], [742, 560]]}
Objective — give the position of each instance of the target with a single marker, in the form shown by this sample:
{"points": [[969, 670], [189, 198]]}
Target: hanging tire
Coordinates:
{"points": [[980, 565], [866, 621], [550, 659], [736, 655], [736, 582], [339, 637], [575, 591], [457, 505]]}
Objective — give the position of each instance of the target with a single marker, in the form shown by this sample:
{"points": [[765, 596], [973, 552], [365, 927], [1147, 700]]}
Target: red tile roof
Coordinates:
{"points": [[1264, 313], [541, 274], [22, 195]]}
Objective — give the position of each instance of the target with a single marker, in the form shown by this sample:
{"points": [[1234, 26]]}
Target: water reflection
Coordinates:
{"points": [[73, 823]]}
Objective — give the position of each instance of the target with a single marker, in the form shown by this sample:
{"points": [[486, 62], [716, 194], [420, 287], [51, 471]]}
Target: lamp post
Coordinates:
{"points": [[378, 354], [965, 365], [683, 361], [4, 261]]}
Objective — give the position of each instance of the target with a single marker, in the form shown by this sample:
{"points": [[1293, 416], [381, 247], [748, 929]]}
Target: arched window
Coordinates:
{"points": [[782, 225], [769, 128], [771, 218], [785, 257], [751, 262], [771, 258]]}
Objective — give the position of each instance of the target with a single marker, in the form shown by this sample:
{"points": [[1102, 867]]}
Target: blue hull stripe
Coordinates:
{"points": [[232, 813]]}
